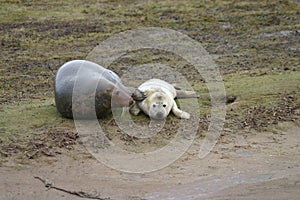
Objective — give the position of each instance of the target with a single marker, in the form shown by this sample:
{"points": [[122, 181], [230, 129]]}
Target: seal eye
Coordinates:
{"points": [[154, 105], [164, 105], [117, 93]]}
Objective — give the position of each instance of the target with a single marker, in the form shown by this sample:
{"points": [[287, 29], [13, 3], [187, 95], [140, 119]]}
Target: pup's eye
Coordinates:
{"points": [[117, 93], [154, 105], [164, 105]]}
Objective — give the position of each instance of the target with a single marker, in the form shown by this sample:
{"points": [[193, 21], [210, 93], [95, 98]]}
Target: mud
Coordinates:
{"points": [[246, 166]]}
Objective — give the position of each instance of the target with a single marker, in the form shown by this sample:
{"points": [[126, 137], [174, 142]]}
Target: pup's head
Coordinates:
{"points": [[159, 105]]}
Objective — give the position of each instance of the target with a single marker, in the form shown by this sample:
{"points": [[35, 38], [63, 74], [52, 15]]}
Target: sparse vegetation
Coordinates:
{"points": [[254, 43]]}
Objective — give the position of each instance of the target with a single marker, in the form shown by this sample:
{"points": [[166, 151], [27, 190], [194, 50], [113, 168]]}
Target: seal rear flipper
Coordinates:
{"points": [[182, 94]]}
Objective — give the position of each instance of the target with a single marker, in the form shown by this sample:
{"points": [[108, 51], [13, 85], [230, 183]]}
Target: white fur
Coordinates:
{"points": [[160, 100]]}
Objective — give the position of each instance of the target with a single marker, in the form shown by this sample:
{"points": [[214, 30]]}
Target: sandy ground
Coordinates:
{"points": [[256, 165]]}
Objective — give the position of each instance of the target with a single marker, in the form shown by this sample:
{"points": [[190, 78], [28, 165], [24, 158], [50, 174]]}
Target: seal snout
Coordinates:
{"points": [[130, 102], [159, 115]]}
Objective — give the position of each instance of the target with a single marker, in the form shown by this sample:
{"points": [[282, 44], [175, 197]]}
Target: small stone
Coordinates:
{"points": [[230, 99]]}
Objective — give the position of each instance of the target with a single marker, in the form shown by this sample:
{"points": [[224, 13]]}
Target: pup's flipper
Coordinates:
{"points": [[176, 86], [138, 95], [134, 109], [179, 113], [182, 94]]}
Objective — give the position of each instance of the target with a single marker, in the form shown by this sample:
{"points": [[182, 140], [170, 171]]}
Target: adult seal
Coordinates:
{"points": [[84, 89]]}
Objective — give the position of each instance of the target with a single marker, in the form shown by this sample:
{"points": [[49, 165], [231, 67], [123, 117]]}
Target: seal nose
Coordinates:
{"points": [[130, 102], [159, 115]]}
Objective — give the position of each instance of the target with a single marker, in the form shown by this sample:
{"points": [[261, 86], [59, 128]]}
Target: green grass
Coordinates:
{"points": [[16, 11], [23, 120], [262, 90]]}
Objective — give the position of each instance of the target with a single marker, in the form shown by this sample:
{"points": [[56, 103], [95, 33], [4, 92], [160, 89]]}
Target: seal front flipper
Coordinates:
{"points": [[179, 113], [138, 95], [134, 109]]}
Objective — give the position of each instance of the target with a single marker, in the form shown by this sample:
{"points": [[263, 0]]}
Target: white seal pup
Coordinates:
{"points": [[160, 100]]}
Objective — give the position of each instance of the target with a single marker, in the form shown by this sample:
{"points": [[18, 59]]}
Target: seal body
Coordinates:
{"points": [[86, 89], [160, 100]]}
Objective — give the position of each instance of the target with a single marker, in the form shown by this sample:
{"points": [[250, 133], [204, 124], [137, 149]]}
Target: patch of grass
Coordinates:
{"points": [[23, 120], [264, 89], [34, 128], [263, 100], [14, 11]]}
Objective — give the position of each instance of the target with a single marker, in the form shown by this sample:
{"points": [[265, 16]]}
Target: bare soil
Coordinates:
{"points": [[249, 165]]}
